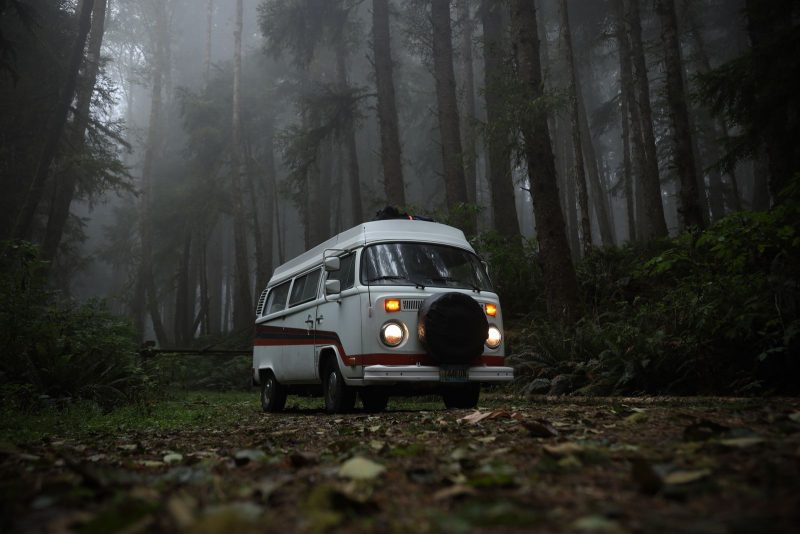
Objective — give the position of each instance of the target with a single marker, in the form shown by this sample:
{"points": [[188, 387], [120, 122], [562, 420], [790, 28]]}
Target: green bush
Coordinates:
{"points": [[57, 348], [705, 312], [515, 272]]}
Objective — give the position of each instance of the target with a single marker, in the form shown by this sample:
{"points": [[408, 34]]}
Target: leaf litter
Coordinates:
{"points": [[558, 465]]}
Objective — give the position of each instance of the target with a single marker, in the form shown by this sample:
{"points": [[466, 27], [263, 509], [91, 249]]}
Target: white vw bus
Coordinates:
{"points": [[384, 308]]}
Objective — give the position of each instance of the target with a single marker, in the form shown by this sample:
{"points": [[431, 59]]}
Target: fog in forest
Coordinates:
{"points": [[168, 155]]}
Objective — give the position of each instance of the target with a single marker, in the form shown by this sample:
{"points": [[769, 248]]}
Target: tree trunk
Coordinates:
{"points": [[391, 155], [27, 213], [559, 274], [597, 195], [243, 304], [447, 106], [652, 222], [715, 133], [216, 277], [626, 160], [65, 188], [634, 121], [267, 186], [690, 210], [154, 140], [577, 145], [183, 316], [767, 22], [262, 274], [353, 171], [498, 146], [209, 33], [468, 107]]}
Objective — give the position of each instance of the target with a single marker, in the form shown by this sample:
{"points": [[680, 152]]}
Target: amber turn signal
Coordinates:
{"points": [[491, 310], [391, 305]]}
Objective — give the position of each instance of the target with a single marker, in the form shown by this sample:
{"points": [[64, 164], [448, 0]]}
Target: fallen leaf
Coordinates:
{"points": [[686, 477], [563, 449], [487, 439], [151, 463], [359, 468], [173, 458], [454, 492], [637, 417], [741, 443], [703, 431], [645, 476], [302, 459], [182, 509], [596, 523], [245, 456], [474, 417], [540, 428], [377, 445]]}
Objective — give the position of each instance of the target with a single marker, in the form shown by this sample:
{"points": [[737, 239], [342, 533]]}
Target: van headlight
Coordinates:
{"points": [[393, 333], [495, 337]]}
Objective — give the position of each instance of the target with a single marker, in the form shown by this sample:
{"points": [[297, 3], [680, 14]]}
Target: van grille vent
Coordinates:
{"points": [[410, 304]]}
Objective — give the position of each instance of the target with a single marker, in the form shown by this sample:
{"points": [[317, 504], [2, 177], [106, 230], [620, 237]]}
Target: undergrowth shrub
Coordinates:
{"points": [[53, 347], [704, 312], [515, 272]]}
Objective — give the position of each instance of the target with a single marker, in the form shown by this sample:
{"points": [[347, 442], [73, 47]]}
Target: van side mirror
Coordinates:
{"points": [[332, 263], [333, 287]]}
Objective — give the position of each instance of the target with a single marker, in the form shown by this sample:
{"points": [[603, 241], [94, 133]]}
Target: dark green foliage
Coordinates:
{"points": [[758, 92], [514, 271], [178, 372], [55, 347], [710, 312]]}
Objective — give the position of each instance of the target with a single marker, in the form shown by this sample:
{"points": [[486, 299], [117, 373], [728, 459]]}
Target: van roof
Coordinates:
{"points": [[374, 232]]}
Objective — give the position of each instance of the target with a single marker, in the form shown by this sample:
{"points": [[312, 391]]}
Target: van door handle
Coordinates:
{"points": [[310, 322], [320, 318]]}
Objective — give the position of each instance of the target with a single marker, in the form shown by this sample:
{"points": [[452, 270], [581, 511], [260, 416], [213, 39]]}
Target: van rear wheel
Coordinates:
{"points": [[273, 393], [339, 397], [462, 396]]}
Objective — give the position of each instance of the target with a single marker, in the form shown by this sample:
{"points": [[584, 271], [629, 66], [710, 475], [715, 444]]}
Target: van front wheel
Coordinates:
{"points": [[273, 393], [462, 396], [339, 397]]}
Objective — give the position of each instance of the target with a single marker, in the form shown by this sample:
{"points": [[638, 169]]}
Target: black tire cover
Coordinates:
{"points": [[452, 327]]}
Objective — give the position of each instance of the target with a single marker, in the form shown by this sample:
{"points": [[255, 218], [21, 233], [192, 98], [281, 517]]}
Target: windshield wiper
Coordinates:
{"points": [[457, 281], [396, 277]]}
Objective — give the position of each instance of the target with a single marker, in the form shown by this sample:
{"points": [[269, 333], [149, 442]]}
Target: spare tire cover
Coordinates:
{"points": [[452, 327]]}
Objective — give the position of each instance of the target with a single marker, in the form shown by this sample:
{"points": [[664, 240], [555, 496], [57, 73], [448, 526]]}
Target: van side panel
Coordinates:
{"points": [[266, 348]]}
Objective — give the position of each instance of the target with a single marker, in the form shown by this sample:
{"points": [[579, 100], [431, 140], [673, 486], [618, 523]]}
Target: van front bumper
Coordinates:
{"points": [[382, 374]]}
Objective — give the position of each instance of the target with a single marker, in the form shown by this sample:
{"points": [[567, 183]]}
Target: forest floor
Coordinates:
{"points": [[211, 462]]}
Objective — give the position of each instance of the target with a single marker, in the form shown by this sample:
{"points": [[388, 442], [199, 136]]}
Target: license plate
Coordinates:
{"points": [[453, 374]]}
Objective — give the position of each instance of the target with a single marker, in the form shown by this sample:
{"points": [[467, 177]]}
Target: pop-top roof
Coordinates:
{"points": [[374, 232]]}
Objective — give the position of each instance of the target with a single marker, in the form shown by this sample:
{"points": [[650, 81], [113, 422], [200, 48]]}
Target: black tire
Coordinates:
{"points": [[374, 400], [452, 327], [462, 396], [273, 393], [339, 397]]}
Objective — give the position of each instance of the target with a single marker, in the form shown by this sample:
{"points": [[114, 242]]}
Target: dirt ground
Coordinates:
{"points": [[543, 464]]}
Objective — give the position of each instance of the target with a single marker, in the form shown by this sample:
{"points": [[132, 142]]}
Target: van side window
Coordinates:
{"points": [[347, 273], [305, 288], [277, 298]]}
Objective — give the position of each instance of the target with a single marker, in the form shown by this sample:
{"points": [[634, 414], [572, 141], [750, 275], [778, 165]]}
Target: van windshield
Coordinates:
{"points": [[422, 265]]}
